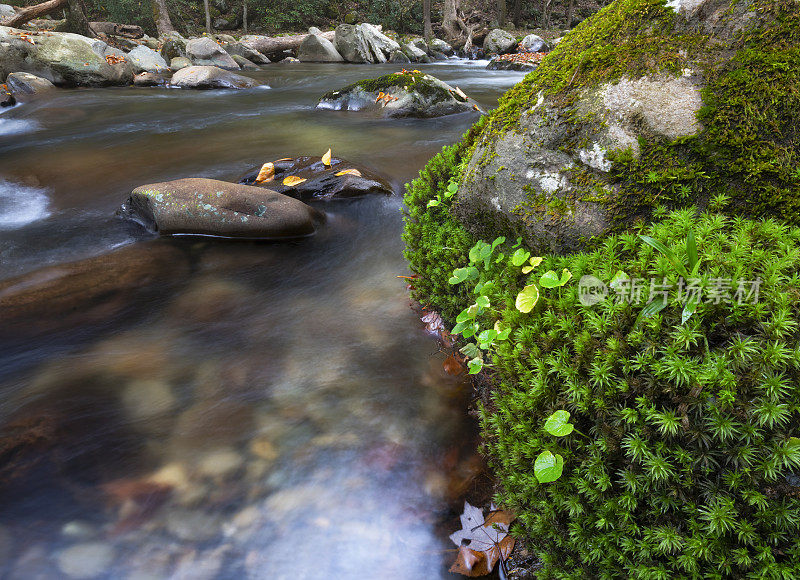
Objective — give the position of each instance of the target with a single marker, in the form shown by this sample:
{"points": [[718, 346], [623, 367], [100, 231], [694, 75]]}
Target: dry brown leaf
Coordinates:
{"points": [[453, 366], [267, 173], [487, 541], [293, 180], [470, 563], [355, 172], [326, 159]]}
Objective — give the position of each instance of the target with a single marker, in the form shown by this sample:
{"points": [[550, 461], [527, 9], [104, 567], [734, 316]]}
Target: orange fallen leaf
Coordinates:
{"points": [[355, 172], [267, 173], [380, 96], [453, 366], [293, 180], [283, 159], [326, 159]]}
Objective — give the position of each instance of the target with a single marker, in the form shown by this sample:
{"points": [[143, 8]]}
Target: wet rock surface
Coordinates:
{"points": [[218, 208], [321, 181], [210, 77]]}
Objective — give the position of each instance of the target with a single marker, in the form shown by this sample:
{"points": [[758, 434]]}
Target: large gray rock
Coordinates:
{"points": [[400, 95], [315, 48], [380, 45], [535, 165], [239, 49], [440, 45], [533, 43], [62, 58], [210, 77], [245, 64], [350, 43], [499, 41], [179, 62], [206, 52], [413, 52], [144, 59], [364, 43], [173, 48], [6, 11], [217, 208], [23, 85], [399, 57]]}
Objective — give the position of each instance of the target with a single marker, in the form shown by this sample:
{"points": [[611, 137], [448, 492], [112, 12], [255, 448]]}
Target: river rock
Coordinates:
{"points": [[523, 61], [87, 291], [24, 85], [173, 48], [413, 52], [533, 43], [206, 52], [192, 525], [6, 11], [245, 64], [150, 79], [499, 41], [399, 57], [88, 560], [440, 45], [363, 43], [62, 58], [217, 208], [179, 62], [240, 49], [321, 181], [148, 399], [145, 59], [220, 463], [380, 45], [410, 94], [315, 48], [211, 77]]}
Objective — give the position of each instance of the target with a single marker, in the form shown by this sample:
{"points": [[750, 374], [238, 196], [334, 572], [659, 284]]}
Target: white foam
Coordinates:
{"points": [[16, 126], [21, 205]]}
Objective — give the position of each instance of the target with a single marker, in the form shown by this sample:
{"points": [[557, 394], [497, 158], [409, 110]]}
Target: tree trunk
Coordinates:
{"points": [[208, 16], [426, 20], [161, 17], [517, 15], [77, 21], [501, 13], [268, 45], [570, 13], [545, 14], [36, 11], [450, 21], [244, 16]]}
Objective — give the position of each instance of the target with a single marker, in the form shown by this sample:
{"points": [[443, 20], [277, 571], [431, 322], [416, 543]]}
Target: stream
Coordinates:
{"points": [[230, 410]]}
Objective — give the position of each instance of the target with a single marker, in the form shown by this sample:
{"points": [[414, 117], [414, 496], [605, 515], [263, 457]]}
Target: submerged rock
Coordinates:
{"points": [[88, 560], [210, 77], [321, 181], [404, 94], [217, 208]]}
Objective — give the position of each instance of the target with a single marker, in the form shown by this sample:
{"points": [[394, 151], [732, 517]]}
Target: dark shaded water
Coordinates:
{"points": [[235, 410]]}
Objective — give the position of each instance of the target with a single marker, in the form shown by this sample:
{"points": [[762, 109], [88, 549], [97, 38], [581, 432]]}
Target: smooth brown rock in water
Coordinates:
{"points": [[88, 291], [217, 208], [321, 180]]}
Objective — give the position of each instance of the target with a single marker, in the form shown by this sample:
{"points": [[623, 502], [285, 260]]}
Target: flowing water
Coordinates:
{"points": [[196, 408]]}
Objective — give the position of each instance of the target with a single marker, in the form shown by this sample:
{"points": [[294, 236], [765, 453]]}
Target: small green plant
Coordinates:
{"points": [[549, 466], [449, 192]]}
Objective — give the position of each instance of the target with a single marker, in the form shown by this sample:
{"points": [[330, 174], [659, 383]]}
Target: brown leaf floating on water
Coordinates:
{"points": [[267, 173], [326, 159], [453, 366], [293, 180], [355, 172]]}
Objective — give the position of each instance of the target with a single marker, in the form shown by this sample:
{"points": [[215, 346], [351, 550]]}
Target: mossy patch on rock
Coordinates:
{"points": [[403, 94]]}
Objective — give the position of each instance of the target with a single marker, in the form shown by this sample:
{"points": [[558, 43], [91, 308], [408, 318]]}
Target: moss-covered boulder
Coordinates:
{"points": [[403, 94], [643, 104]]}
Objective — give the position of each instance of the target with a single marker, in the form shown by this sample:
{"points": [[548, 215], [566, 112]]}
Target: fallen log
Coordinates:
{"points": [[115, 29], [268, 45], [35, 11]]}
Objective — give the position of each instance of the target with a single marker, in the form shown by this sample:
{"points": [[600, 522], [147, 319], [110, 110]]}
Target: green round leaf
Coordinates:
{"points": [[433, 203], [520, 257], [549, 279], [548, 467], [527, 299], [475, 366], [558, 424]]}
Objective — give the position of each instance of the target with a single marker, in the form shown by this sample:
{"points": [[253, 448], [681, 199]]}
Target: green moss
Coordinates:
{"points": [[408, 81]]}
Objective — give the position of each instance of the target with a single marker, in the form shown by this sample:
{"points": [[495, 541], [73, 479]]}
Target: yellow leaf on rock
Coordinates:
{"points": [[267, 173], [283, 159], [326, 159], [355, 172], [293, 180]]}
